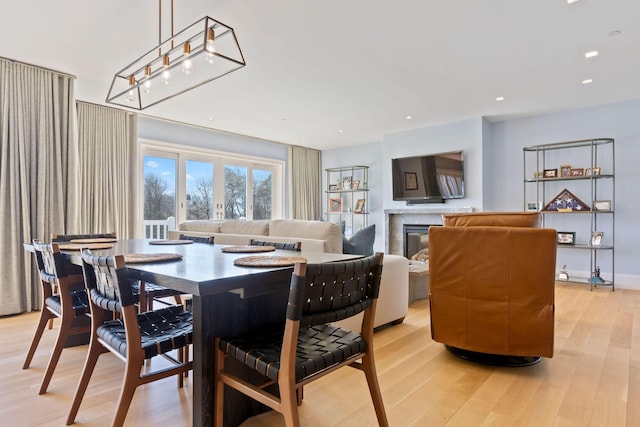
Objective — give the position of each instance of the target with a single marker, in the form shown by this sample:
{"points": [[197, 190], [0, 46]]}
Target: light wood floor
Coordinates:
{"points": [[593, 379]]}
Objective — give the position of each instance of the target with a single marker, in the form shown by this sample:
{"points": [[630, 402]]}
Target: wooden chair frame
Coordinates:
{"points": [[55, 280], [113, 270], [289, 389]]}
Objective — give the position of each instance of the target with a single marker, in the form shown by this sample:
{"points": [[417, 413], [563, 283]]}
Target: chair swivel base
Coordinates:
{"points": [[494, 359]]}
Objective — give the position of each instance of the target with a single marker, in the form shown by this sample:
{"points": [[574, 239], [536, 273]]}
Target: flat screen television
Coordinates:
{"points": [[429, 178]]}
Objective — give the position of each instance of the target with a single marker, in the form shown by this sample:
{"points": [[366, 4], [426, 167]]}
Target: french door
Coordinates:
{"points": [[195, 186]]}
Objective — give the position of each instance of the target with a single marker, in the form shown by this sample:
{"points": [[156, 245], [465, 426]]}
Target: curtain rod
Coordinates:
{"points": [[38, 66]]}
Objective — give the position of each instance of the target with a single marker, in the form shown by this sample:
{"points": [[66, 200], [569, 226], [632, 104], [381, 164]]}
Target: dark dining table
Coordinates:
{"points": [[227, 300]]}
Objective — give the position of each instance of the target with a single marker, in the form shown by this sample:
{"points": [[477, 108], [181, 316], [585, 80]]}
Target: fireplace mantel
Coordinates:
{"points": [[396, 218]]}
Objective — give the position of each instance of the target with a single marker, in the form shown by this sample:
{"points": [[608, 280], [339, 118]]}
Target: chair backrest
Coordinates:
{"points": [[324, 293], [491, 287], [198, 239], [68, 237], [51, 264], [492, 219], [107, 282], [289, 246]]}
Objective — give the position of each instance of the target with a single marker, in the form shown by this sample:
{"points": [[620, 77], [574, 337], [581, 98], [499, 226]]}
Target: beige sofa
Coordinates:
{"points": [[315, 236]]}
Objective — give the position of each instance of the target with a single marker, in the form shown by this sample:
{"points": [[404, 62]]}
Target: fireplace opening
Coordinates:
{"points": [[415, 238]]}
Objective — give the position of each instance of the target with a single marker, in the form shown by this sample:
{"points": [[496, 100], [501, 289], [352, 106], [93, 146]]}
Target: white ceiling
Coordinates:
{"points": [[360, 66]]}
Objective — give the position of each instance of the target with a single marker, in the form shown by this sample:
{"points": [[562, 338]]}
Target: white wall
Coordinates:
{"points": [[465, 135], [494, 166], [620, 121]]}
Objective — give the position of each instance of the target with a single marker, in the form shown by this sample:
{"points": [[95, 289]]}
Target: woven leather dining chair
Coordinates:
{"points": [[289, 246], [306, 347], [64, 297], [134, 337], [198, 239]]}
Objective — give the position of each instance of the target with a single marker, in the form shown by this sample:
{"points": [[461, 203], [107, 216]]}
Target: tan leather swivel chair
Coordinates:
{"points": [[491, 280]]}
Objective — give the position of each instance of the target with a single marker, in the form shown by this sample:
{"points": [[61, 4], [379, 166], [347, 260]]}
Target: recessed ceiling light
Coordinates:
{"points": [[591, 54], [572, 1], [500, 98], [210, 119], [409, 117], [340, 131], [587, 81]]}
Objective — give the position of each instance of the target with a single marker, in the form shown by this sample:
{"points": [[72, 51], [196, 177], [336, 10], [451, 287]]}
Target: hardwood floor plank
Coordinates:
{"points": [[592, 380]]}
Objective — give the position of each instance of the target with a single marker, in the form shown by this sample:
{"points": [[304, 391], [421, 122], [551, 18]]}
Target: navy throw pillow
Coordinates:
{"points": [[360, 243]]}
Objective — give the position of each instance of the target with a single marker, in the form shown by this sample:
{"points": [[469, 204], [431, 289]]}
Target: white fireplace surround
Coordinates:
{"points": [[394, 219]]}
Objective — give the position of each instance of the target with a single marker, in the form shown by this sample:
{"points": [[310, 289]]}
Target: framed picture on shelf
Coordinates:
{"points": [[602, 205], [355, 185], [565, 170], [566, 237], [577, 172], [334, 187], [533, 206], [359, 206], [550, 173], [596, 238], [335, 205], [346, 183], [592, 171], [410, 181]]}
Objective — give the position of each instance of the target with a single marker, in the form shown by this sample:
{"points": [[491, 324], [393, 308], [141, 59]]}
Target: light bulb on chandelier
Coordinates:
{"points": [[209, 46], [131, 96], [146, 87], [166, 74], [187, 65]]}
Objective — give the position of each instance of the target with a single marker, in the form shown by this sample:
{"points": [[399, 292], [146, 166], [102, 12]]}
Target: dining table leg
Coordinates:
{"points": [[227, 314]]}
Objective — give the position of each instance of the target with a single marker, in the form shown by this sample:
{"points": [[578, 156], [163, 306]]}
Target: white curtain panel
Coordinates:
{"points": [[38, 160], [107, 143], [305, 192]]}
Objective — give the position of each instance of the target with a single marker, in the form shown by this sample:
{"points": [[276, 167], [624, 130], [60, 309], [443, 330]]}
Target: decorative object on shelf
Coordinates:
{"points": [[596, 238], [346, 183], [533, 206], [550, 173], [565, 170], [334, 187], [195, 55], [566, 237], [410, 181], [359, 206], [566, 201], [602, 205], [563, 275], [595, 277], [538, 175], [355, 185], [577, 172], [335, 205], [592, 171]]}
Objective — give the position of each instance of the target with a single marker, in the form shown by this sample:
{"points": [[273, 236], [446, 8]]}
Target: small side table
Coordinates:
{"points": [[418, 281]]}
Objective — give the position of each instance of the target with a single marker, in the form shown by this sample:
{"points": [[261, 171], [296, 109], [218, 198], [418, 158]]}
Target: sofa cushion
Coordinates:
{"points": [[492, 219], [241, 226], [204, 225], [327, 231], [360, 243]]}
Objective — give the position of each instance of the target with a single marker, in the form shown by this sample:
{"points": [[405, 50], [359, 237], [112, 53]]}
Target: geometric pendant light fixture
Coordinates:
{"points": [[204, 51]]}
